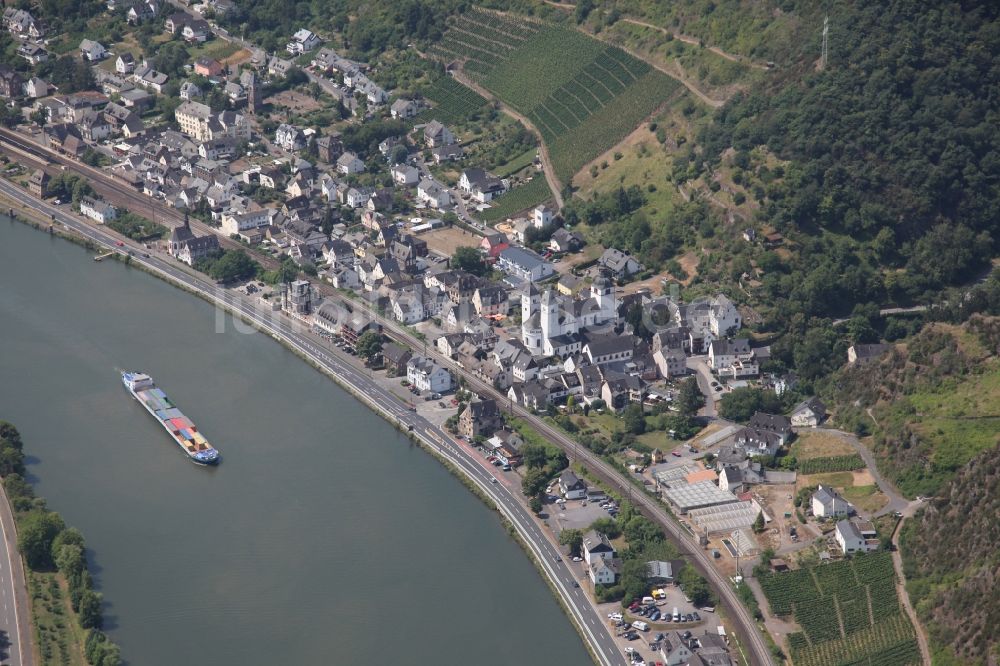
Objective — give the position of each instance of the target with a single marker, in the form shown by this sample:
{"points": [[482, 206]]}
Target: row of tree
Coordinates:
{"points": [[47, 544]]}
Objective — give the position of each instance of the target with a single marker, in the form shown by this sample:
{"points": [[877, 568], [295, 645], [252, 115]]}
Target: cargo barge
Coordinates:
{"points": [[180, 427]]}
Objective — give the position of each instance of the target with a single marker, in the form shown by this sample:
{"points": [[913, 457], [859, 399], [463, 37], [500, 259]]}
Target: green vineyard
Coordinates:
{"points": [[453, 102], [518, 199], [831, 464], [848, 611], [583, 95]]}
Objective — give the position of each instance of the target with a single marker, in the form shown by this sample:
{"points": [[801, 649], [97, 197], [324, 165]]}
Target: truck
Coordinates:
{"points": [[640, 625]]}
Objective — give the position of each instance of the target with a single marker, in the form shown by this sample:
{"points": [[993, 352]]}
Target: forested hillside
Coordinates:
{"points": [[952, 565], [933, 402]]}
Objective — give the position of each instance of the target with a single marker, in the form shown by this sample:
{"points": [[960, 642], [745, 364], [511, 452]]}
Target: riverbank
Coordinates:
{"points": [[66, 614], [436, 442]]}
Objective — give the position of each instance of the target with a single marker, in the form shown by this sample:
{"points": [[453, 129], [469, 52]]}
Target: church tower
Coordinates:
{"points": [[529, 302], [603, 291], [550, 315]]}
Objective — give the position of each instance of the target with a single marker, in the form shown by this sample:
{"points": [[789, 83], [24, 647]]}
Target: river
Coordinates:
{"points": [[323, 537]]}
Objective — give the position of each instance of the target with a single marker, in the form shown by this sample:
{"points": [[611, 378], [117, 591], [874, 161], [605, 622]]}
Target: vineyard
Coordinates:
{"points": [[831, 464], [582, 95], [848, 611], [453, 102], [518, 199]]}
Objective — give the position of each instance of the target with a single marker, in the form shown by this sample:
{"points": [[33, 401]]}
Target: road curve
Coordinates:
{"points": [[340, 366]]}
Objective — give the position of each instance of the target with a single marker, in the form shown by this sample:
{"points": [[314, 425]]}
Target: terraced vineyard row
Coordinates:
{"points": [[583, 95], [518, 199], [890, 642], [848, 610], [453, 101]]}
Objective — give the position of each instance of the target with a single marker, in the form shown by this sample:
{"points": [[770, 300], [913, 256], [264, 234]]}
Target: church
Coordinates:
{"points": [[553, 324]]}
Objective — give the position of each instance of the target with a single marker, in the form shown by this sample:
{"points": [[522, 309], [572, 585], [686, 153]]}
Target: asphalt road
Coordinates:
{"points": [[745, 629], [14, 613], [341, 366]]}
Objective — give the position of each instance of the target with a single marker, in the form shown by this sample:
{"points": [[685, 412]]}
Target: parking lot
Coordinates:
{"points": [[575, 514]]}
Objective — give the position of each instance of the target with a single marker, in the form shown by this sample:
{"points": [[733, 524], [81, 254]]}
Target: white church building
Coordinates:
{"points": [[551, 323]]}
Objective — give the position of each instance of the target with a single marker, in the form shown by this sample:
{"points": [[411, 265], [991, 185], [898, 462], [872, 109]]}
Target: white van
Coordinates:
{"points": [[640, 625], [648, 601], [677, 614]]}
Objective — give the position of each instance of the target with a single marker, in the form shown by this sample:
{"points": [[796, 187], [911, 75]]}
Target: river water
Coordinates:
{"points": [[322, 538]]}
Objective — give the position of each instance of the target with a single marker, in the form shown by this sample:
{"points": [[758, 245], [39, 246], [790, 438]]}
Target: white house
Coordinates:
{"points": [[349, 163], [827, 503], [571, 486], [433, 194], [92, 51], [618, 263], [855, 537], [404, 108], [480, 185], [303, 41], [596, 546], [426, 375], [809, 413], [541, 217], [237, 223], [404, 174], [289, 137], [524, 264], [125, 63], [97, 210], [733, 358], [604, 572], [436, 134]]}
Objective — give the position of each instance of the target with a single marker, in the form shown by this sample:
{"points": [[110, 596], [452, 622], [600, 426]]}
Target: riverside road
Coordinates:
{"points": [[745, 627], [340, 366]]}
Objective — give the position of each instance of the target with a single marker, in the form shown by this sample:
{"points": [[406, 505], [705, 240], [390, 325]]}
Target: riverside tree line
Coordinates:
{"points": [[49, 546]]}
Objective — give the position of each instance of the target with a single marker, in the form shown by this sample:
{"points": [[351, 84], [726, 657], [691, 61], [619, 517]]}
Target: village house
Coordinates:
{"points": [[618, 264], [480, 419], [35, 88], [732, 358], [404, 174], [289, 137], [404, 109], [436, 134], [827, 503], [303, 41], [33, 53], [329, 147], [524, 264], [433, 194], [395, 357], [11, 82], [566, 242], [208, 67], [860, 354], [571, 486], [855, 536], [506, 446], [480, 185], [100, 211], [125, 63], [92, 51], [426, 375], [349, 163], [38, 183], [808, 413]]}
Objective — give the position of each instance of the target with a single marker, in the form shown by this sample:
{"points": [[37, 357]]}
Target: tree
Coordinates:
{"points": [[369, 345], [90, 610], [535, 504], [758, 524], [534, 482], [695, 587], [572, 538], [635, 419], [35, 534], [609, 527], [740, 404], [690, 398], [534, 456], [468, 259], [233, 265]]}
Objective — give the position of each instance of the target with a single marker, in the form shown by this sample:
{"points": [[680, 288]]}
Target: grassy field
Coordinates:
{"points": [[57, 633], [520, 162], [519, 199], [857, 487], [848, 610], [583, 95], [817, 444]]}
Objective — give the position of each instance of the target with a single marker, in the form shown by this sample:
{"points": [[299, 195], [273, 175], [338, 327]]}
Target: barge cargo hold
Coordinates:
{"points": [[180, 427]]}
